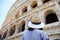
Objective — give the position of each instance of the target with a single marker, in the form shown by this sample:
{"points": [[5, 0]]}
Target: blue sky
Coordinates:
{"points": [[5, 5]]}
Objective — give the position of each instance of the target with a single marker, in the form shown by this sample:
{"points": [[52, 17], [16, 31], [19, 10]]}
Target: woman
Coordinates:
{"points": [[33, 32]]}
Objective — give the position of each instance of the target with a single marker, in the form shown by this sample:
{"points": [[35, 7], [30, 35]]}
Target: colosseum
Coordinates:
{"points": [[21, 13]]}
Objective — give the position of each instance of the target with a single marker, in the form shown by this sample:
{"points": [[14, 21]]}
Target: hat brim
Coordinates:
{"points": [[36, 26]]}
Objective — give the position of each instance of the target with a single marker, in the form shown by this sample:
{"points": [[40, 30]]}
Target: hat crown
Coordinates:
{"points": [[35, 19]]}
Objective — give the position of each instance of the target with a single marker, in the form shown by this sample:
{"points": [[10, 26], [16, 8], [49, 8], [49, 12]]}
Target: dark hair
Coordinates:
{"points": [[30, 29], [40, 28]]}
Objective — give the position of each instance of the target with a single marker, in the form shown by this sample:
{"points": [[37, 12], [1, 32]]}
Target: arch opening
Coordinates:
{"points": [[45, 1], [12, 30], [17, 14], [4, 35], [24, 9], [59, 3], [56, 39], [21, 27], [34, 4], [51, 17]]}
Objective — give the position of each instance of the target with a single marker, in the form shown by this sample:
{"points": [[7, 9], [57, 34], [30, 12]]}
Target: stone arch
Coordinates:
{"points": [[50, 16], [34, 4], [24, 9], [17, 14], [21, 26], [4, 35], [12, 30], [45, 1]]}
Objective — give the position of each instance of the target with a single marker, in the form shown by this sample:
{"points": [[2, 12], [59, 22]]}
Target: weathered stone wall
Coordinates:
{"points": [[18, 18]]}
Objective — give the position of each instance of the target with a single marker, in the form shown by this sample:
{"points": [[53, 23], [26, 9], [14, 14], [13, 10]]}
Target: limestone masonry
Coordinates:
{"points": [[21, 13]]}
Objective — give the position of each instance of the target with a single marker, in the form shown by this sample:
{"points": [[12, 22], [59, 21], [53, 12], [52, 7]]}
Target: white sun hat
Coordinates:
{"points": [[35, 22]]}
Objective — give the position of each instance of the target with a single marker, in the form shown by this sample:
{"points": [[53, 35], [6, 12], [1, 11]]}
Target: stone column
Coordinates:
{"points": [[14, 14], [8, 32], [20, 11], [29, 7], [26, 24], [42, 16], [57, 7], [17, 26], [39, 2]]}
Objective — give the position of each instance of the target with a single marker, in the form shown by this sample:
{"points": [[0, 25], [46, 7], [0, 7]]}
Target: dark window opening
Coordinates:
{"points": [[4, 36], [0, 36], [24, 9], [44, 1], [57, 39], [34, 4], [51, 18], [23, 27], [12, 31], [59, 3]]}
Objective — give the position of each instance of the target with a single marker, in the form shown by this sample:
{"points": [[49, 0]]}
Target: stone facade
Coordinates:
{"points": [[21, 13]]}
